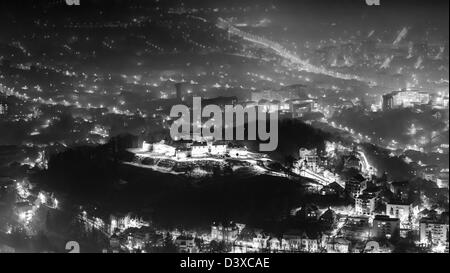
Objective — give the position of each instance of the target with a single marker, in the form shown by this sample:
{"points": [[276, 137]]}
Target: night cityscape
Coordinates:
{"points": [[330, 118]]}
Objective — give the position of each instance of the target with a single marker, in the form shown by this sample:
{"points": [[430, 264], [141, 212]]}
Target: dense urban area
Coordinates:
{"points": [[362, 163]]}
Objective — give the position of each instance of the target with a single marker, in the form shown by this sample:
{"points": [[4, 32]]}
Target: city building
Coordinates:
{"points": [[184, 90], [163, 149], [405, 99], [355, 185], [365, 204], [250, 240], [271, 106], [309, 159], [301, 107], [400, 190], [356, 228], [279, 95], [200, 149], [329, 218], [434, 231], [442, 179], [146, 146], [385, 227], [440, 101], [221, 101], [289, 100], [183, 149], [123, 222], [238, 152], [402, 211], [333, 188], [301, 241], [182, 152], [224, 232], [338, 245], [186, 244], [353, 162], [137, 239], [114, 242], [218, 148], [277, 245], [3, 108], [310, 165]]}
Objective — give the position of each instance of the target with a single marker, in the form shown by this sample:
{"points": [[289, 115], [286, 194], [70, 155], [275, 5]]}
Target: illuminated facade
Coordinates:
{"points": [[227, 233], [309, 159], [186, 244], [405, 99], [365, 204], [402, 211], [125, 222], [200, 149], [302, 242], [3, 108], [440, 101], [146, 146], [164, 149], [277, 245], [218, 148], [385, 227], [434, 231]]}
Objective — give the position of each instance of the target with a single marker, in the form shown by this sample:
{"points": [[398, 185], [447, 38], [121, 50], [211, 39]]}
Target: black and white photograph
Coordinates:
{"points": [[224, 127]]}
